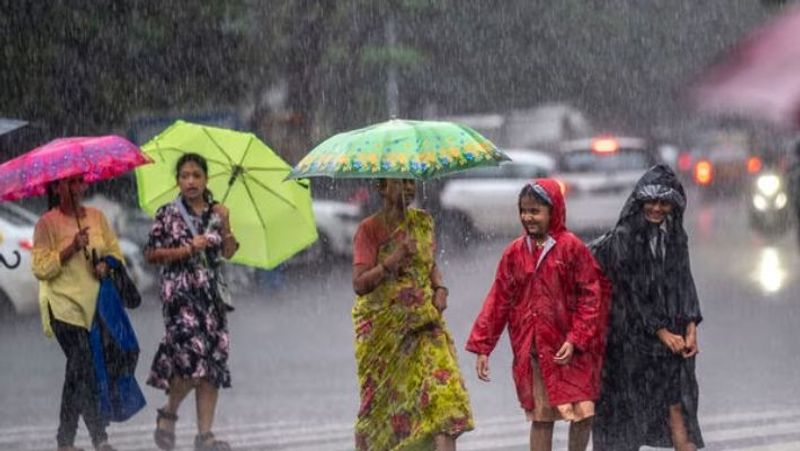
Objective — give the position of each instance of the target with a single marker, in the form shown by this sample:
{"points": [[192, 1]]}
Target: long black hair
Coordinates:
{"points": [[52, 195]]}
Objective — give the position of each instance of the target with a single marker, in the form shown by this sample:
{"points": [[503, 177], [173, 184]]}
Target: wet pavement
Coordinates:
{"points": [[293, 369]]}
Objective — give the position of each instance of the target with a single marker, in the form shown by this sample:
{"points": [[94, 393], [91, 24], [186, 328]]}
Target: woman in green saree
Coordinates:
{"points": [[412, 392]]}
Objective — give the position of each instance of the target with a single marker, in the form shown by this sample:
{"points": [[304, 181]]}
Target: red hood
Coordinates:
{"points": [[558, 212]]}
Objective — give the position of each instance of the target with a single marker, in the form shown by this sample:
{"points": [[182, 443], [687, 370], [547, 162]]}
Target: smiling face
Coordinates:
{"points": [[192, 180], [656, 211], [534, 215]]}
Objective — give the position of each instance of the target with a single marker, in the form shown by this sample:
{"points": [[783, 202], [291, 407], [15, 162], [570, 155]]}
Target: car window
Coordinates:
{"points": [[622, 160]]}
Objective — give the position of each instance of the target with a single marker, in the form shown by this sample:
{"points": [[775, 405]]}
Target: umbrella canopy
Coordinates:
{"points": [[272, 218], [400, 149], [761, 77], [95, 157]]}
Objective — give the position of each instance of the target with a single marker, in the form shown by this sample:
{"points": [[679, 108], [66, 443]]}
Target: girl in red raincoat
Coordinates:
{"points": [[550, 293]]}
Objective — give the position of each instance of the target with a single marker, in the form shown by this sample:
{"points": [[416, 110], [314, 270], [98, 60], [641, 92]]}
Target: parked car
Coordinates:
{"points": [[337, 222], [597, 175], [19, 294], [483, 201], [19, 289]]}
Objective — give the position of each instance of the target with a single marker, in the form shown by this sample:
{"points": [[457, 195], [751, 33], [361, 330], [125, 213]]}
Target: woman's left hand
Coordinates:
{"points": [[440, 299], [691, 349], [564, 355], [101, 269]]}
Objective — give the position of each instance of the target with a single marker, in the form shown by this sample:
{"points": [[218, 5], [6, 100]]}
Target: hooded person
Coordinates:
{"points": [[549, 291], [649, 394]]}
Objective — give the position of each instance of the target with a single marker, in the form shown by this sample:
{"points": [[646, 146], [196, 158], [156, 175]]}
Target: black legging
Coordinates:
{"points": [[78, 396]]}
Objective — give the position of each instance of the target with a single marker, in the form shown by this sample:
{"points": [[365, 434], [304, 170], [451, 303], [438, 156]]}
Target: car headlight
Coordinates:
{"points": [[759, 202], [768, 184], [780, 200]]}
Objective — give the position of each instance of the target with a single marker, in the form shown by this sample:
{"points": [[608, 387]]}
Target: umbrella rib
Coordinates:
{"points": [[178, 150], [230, 160], [246, 150], [258, 211], [271, 191]]}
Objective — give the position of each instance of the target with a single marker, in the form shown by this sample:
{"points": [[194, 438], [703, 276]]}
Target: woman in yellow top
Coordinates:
{"points": [[68, 289], [412, 392]]}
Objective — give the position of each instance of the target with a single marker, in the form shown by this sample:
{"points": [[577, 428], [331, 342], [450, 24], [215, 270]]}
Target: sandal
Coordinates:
{"points": [[69, 448], [104, 447], [164, 438], [206, 442]]}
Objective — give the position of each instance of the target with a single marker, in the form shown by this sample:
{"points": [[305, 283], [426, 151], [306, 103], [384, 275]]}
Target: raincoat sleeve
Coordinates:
{"points": [[692, 302], [111, 240], [494, 315], [591, 306], [45, 261]]}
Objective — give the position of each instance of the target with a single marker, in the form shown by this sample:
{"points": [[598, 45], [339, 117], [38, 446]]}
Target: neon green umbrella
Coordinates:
{"points": [[272, 218], [400, 149]]}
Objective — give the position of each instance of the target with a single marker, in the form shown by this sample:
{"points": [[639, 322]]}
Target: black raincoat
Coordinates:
{"points": [[652, 286]]}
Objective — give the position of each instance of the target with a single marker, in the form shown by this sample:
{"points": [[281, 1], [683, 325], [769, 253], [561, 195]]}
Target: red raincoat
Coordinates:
{"points": [[564, 297]]}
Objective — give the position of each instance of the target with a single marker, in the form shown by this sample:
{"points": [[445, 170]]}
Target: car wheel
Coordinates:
{"points": [[7, 310]]}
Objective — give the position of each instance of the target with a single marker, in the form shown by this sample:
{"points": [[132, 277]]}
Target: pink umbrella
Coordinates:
{"points": [[761, 78], [95, 157]]}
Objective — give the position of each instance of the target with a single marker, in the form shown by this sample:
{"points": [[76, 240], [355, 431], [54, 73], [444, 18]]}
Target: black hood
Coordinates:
{"points": [[659, 182]]}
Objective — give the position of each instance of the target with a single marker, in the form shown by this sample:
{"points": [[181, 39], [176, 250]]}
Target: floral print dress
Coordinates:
{"points": [[196, 343], [411, 385]]}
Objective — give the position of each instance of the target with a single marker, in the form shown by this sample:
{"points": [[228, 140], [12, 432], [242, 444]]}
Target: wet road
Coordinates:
{"points": [[294, 372]]}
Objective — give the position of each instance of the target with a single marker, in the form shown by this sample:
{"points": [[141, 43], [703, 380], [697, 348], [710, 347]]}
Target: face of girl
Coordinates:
{"points": [[400, 191], [71, 189], [656, 211], [534, 215], [192, 180]]}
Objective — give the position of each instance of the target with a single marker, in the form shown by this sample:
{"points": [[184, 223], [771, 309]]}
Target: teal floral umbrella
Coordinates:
{"points": [[400, 149]]}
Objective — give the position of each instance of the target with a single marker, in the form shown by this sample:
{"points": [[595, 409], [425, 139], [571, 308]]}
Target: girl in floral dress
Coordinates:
{"points": [[412, 392], [194, 351]]}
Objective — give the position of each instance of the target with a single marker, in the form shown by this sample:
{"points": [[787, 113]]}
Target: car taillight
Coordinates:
{"points": [[685, 162], [703, 172], [605, 145], [26, 244], [753, 165]]}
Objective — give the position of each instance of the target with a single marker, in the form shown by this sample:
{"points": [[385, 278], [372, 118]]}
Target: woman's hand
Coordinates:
{"points": [[199, 242], [564, 355], [440, 298], [691, 349], [400, 257], [101, 269], [81, 239], [674, 342], [482, 367], [222, 211]]}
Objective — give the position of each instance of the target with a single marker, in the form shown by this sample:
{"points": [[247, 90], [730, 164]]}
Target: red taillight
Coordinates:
{"points": [[26, 244], [703, 172], [753, 165], [685, 162]]}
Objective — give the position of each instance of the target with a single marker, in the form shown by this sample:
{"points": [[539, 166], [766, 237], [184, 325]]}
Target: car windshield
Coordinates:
{"points": [[621, 160]]}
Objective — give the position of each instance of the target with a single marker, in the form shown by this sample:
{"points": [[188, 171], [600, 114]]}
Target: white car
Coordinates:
{"points": [[336, 224], [597, 176], [19, 289], [20, 294], [485, 199]]}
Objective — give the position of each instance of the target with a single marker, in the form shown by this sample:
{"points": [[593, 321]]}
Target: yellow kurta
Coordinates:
{"points": [[69, 288]]}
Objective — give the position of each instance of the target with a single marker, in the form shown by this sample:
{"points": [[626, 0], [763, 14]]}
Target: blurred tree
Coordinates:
{"points": [[85, 66]]}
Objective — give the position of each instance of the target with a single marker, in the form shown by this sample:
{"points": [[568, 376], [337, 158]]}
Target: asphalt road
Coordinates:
{"points": [[294, 376]]}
